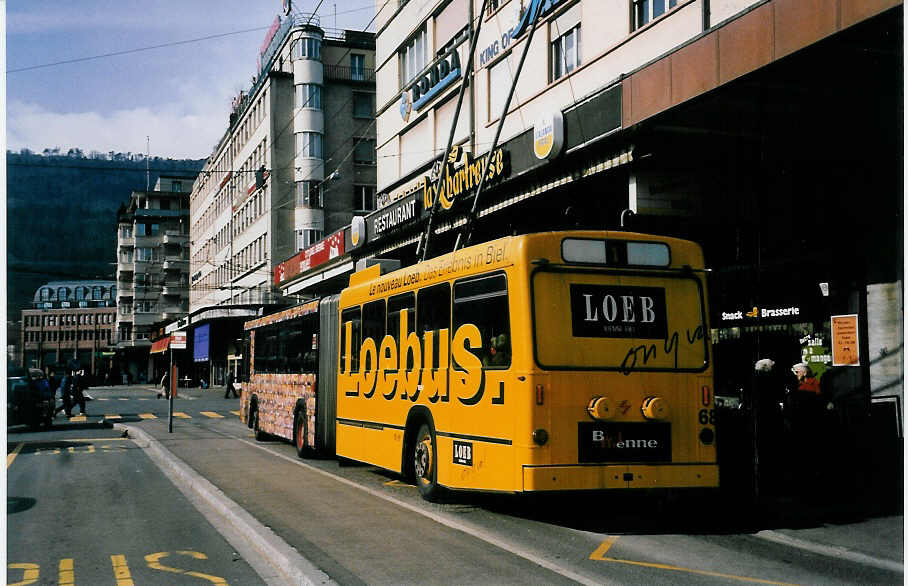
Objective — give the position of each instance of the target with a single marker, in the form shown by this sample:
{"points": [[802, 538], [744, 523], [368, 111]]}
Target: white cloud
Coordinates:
{"points": [[173, 131]]}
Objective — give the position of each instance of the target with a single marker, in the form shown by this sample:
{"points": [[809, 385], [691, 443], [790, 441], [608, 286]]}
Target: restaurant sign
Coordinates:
{"points": [[311, 257], [462, 175]]}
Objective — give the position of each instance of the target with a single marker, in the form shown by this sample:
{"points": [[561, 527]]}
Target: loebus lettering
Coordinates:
{"points": [[629, 309], [410, 372]]}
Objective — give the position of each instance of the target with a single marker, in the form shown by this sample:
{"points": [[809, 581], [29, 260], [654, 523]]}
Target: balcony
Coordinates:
{"points": [[147, 319], [174, 263], [346, 73], [142, 343], [174, 289], [125, 290], [126, 240], [175, 237]]}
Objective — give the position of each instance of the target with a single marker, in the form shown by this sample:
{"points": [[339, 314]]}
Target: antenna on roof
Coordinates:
{"points": [[147, 154]]}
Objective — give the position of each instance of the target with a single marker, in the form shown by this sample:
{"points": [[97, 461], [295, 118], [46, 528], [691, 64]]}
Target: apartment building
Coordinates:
{"points": [[296, 162], [71, 320], [152, 268]]}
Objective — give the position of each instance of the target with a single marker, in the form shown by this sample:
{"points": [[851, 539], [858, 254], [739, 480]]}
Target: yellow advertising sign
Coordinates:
{"points": [[845, 340]]}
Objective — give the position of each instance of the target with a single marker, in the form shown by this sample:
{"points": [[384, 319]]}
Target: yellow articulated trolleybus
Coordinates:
{"points": [[544, 362]]}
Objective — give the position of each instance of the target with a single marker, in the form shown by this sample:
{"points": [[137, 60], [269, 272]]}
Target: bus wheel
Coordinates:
{"points": [[259, 435], [300, 434], [425, 463]]}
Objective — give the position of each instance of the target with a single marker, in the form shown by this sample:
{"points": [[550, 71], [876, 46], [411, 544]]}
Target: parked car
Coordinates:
{"points": [[29, 398]]}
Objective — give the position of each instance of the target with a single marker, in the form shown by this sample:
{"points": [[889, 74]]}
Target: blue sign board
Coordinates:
{"points": [[200, 339]]}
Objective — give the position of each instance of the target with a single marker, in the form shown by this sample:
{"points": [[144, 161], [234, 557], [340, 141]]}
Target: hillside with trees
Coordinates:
{"points": [[61, 214]]}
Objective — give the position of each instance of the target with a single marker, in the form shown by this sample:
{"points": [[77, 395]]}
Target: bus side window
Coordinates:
{"points": [[397, 305], [350, 315], [433, 314], [265, 349], [374, 322], [483, 302], [290, 361]]}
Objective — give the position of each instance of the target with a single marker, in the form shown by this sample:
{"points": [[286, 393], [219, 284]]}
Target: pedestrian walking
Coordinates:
{"points": [[165, 386], [64, 391], [77, 389], [228, 386]]}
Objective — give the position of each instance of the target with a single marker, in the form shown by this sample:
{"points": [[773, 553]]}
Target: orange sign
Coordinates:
{"points": [[845, 340]]}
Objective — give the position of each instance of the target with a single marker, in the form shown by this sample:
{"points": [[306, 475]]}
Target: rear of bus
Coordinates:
{"points": [[622, 374]]}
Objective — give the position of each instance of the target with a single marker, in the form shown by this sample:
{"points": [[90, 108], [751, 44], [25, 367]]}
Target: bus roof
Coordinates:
{"points": [[291, 313], [503, 252]]}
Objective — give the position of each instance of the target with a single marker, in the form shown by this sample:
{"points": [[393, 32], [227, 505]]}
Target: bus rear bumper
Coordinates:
{"points": [[546, 478]]}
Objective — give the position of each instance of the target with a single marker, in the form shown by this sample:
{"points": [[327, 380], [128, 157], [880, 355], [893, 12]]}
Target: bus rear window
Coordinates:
{"points": [[619, 322]]}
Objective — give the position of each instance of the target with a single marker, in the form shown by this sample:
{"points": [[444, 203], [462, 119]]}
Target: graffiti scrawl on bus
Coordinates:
{"points": [[645, 353]]}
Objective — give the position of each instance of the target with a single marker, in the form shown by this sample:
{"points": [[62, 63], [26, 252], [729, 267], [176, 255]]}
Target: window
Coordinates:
{"points": [[566, 53], [145, 254], [374, 323], [433, 314], [363, 105], [308, 195], [125, 231], [96, 293], [309, 95], [309, 144], [45, 294], [306, 48], [413, 56], [357, 67], [140, 229], [63, 293], [364, 151], [405, 303], [306, 238], [645, 11], [483, 301], [176, 186], [352, 316], [363, 197], [499, 85]]}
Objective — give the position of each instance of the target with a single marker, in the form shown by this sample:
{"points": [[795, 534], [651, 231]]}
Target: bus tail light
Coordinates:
{"points": [[540, 437], [540, 394], [706, 397], [655, 408], [600, 408]]}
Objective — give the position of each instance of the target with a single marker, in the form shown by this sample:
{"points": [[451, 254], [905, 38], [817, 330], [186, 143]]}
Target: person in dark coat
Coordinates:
{"points": [[64, 390], [228, 386], [76, 388]]}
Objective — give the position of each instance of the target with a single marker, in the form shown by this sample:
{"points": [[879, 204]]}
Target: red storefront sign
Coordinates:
{"points": [[317, 254]]}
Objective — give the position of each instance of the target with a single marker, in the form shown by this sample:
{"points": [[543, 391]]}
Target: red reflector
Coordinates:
{"points": [[706, 396], [540, 394]]}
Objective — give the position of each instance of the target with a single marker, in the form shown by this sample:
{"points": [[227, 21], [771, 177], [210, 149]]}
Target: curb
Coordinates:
{"points": [[257, 543], [831, 551]]}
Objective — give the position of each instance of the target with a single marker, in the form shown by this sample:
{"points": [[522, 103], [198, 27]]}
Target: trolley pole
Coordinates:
{"points": [[170, 392]]}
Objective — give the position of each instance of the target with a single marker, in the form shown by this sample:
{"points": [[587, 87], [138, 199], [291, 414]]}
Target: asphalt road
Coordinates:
{"points": [[360, 525]]}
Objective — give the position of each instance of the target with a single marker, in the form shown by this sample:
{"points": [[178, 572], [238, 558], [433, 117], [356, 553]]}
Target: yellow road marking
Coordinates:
{"points": [[12, 455], [30, 573], [687, 570], [124, 398], [399, 483], [103, 399], [603, 548], [144, 399], [121, 570], [147, 416], [111, 416], [181, 415], [212, 414], [67, 577], [237, 413], [154, 563], [77, 419]]}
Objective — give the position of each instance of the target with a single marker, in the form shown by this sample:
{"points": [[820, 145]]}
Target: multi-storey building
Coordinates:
{"points": [[740, 124], [71, 320], [152, 268], [296, 162]]}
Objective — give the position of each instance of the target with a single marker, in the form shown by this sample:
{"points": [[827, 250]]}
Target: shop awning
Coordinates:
{"points": [[161, 345]]}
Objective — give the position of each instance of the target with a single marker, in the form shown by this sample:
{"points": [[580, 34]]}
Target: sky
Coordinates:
{"points": [[177, 95]]}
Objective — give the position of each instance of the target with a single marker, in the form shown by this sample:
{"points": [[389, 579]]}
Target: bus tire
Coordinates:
{"points": [[252, 408], [300, 433], [425, 463], [259, 434]]}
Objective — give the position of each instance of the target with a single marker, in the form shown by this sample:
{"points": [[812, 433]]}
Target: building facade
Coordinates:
{"points": [[296, 162], [71, 320], [739, 124], [152, 269]]}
